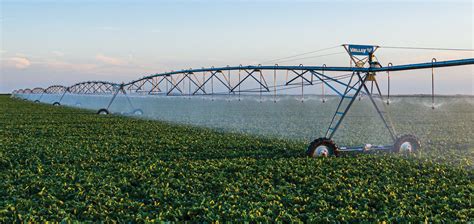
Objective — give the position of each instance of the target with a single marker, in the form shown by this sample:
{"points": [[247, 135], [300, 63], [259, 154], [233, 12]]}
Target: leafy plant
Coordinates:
{"points": [[64, 164]]}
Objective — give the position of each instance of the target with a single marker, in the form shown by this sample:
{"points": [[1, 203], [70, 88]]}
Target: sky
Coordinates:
{"points": [[64, 42]]}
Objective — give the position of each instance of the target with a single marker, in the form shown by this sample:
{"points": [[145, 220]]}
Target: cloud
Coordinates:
{"points": [[67, 66], [109, 60], [18, 62]]}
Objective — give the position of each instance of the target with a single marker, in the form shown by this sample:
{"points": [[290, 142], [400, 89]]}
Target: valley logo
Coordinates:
{"points": [[360, 49]]}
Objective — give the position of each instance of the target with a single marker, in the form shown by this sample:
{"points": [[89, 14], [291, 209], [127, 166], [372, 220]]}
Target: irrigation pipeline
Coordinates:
{"points": [[155, 82], [301, 76]]}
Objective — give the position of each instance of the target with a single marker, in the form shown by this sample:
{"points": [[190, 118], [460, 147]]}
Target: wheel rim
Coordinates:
{"points": [[406, 147], [138, 113], [321, 151], [103, 112]]}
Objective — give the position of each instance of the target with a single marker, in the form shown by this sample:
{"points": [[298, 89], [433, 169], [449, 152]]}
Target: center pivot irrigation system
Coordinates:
{"points": [[359, 79]]}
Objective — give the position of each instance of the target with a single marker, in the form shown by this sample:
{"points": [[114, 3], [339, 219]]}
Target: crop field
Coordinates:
{"points": [[66, 164], [446, 131]]}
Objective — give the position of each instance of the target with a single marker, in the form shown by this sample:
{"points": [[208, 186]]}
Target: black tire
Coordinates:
{"points": [[406, 144], [103, 111], [330, 149], [37, 101], [137, 112], [56, 104]]}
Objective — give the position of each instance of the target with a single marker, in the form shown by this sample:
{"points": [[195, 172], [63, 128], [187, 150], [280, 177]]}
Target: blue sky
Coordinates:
{"points": [[63, 42]]}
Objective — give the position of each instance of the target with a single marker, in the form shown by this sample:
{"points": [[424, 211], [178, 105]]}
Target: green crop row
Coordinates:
{"points": [[59, 163]]}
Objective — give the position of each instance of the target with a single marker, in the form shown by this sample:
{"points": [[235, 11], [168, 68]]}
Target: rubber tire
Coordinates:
{"points": [[103, 110], [137, 112], [37, 101], [333, 149], [413, 140], [56, 104]]}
